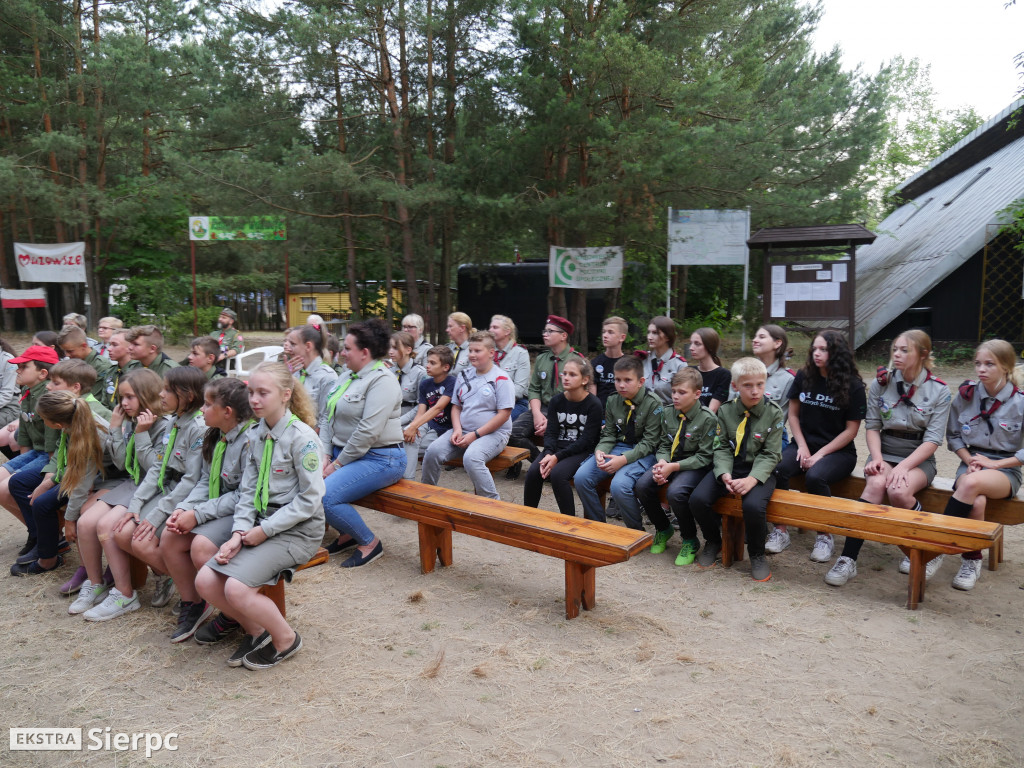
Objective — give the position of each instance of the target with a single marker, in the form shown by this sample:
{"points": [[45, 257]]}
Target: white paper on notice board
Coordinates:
{"points": [[839, 273], [779, 300], [823, 275], [778, 274]]}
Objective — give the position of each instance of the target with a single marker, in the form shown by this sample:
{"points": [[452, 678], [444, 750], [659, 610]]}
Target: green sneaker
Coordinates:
{"points": [[688, 552], [661, 540]]}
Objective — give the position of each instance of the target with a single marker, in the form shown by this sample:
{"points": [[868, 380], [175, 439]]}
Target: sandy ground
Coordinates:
{"points": [[476, 665]]}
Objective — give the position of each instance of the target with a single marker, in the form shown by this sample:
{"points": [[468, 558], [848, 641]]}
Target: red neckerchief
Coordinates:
{"points": [[565, 353], [500, 354]]}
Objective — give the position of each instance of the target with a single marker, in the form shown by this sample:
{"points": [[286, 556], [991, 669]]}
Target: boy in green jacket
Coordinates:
{"points": [[630, 436], [684, 458], [749, 449]]}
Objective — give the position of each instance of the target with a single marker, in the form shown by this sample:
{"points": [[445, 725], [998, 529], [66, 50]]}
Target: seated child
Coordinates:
{"points": [[684, 458], [203, 355], [750, 446], [484, 397], [631, 434], [434, 404]]}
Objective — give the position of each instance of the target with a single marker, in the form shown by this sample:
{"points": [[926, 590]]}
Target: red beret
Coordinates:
{"points": [[561, 322]]}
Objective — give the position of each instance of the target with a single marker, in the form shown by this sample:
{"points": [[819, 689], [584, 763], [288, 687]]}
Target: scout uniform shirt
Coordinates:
{"points": [[776, 386], [58, 462], [9, 389], [178, 471], [990, 425], [761, 442], [689, 438], [134, 453], [907, 415], [228, 339], [547, 374], [111, 379], [363, 411], [32, 433], [216, 495], [101, 366], [637, 424], [481, 396], [461, 354], [409, 377], [161, 365], [658, 372], [290, 494], [319, 379], [420, 350], [515, 361]]}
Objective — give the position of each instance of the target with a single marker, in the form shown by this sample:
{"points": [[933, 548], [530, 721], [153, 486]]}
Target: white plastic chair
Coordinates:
{"points": [[245, 362]]}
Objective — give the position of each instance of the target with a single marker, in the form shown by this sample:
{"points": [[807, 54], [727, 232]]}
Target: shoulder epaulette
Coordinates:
{"points": [[791, 372], [882, 375], [933, 377], [966, 390]]}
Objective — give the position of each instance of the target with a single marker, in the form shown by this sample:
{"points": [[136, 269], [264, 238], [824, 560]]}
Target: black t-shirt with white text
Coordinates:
{"points": [[821, 420], [604, 376], [716, 385]]}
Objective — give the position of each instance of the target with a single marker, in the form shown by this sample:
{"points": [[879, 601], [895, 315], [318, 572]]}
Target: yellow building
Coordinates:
{"points": [[330, 301]]}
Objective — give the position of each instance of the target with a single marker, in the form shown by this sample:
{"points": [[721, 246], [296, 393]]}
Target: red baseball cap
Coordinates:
{"points": [[37, 354]]}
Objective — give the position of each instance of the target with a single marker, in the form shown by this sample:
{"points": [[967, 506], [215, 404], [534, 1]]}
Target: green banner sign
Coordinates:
{"points": [[236, 228]]}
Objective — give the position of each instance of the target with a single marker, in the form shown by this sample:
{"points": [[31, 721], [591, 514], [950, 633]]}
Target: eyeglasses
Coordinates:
{"points": [[553, 330]]}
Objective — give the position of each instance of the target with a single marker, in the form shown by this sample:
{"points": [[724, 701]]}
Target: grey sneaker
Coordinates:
{"points": [[267, 656], [777, 541], [905, 564], [163, 591], [216, 630], [247, 646], [709, 554], [115, 604], [840, 573], [759, 570], [89, 594], [933, 567], [189, 620], [967, 576], [824, 546]]}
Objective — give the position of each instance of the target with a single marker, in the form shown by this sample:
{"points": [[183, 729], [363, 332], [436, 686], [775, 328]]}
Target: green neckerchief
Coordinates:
{"points": [[260, 501], [218, 459], [131, 460], [62, 457], [167, 454], [335, 396]]}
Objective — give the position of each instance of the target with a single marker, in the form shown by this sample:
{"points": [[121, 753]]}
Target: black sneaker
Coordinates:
{"points": [[216, 630], [30, 544], [267, 655], [190, 619], [34, 568], [513, 472], [248, 645], [337, 546]]}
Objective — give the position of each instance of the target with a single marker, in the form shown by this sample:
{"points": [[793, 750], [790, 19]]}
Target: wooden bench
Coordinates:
{"points": [[921, 535], [933, 499], [508, 456], [583, 544]]}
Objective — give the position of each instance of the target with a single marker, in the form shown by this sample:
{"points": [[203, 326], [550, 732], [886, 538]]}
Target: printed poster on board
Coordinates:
{"points": [[585, 267]]}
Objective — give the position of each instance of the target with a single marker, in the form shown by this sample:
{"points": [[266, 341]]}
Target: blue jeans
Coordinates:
{"points": [[379, 468], [589, 476], [522, 406]]}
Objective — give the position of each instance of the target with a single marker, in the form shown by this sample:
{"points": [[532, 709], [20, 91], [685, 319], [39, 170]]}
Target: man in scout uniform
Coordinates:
{"points": [[75, 344], [228, 338], [147, 347], [545, 382], [120, 352]]}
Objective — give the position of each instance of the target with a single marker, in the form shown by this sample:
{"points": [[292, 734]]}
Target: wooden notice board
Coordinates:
{"points": [[809, 288]]}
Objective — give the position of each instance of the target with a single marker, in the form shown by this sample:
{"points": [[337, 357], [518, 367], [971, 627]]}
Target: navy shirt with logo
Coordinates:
{"points": [[604, 376], [430, 393]]}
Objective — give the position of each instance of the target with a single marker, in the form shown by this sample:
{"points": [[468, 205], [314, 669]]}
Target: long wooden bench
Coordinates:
{"points": [[584, 545], [921, 535], [509, 455]]}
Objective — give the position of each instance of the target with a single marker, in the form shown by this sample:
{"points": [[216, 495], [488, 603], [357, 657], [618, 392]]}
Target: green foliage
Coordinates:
{"points": [[180, 325]]}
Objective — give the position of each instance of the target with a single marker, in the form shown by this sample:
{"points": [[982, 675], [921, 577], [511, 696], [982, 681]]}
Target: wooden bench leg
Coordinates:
{"points": [[579, 588], [732, 540], [435, 543], [915, 586], [139, 572], [995, 555], [276, 593]]}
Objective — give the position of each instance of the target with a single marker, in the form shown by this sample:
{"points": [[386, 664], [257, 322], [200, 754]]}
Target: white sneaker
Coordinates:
{"points": [[968, 574], [113, 606], [163, 591], [905, 564], [777, 541], [929, 570], [840, 573], [824, 546], [88, 596]]}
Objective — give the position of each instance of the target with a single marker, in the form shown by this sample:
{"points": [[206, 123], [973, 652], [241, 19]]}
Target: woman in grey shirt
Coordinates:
{"points": [[361, 432]]}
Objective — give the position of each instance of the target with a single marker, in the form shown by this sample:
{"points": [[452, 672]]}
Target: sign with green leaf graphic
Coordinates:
{"points": [[585, 267], [236, 228]]}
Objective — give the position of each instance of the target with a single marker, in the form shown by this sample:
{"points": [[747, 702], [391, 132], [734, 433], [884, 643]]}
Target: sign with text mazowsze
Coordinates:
{"points": [[236, 228], [585, 267], [57, 263]]}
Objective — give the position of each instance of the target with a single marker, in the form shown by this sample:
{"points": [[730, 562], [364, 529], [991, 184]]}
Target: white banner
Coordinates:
{"points": [[709, 238], [585, 267], [59, 263]]}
